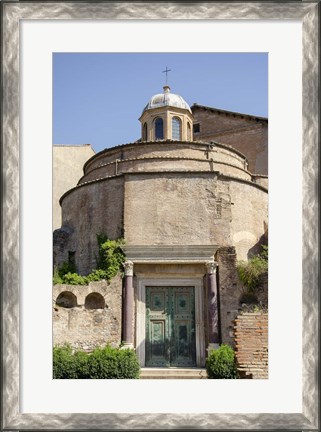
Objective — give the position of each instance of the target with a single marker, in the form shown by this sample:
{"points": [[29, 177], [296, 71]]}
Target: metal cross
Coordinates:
{"points": [[166, 71]]}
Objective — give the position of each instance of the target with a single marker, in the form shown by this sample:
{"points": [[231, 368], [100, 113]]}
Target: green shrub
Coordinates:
{"points": [[82, 364], [114, 363], [110, 256], [96, 275], [102, 363], [251, 271], [74, 279], [63, 363], [109, 262], [220, 363], [56, 278], [67, 267]]}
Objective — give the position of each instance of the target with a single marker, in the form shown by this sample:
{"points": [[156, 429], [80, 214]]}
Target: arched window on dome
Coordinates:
{"points": [[189, 137], [159, 129], [176, 128], [145, 132]]}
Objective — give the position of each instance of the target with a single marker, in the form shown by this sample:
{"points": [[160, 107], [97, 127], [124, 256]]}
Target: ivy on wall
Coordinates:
{"points": [[109, 262]]}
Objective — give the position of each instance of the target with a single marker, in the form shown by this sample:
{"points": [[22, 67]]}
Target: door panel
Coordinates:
{"points": [[157, 339], [170, 326], [184, 353], [157, 327]]}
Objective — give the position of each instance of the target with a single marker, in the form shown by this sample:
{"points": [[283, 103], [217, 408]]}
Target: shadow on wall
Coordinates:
{"points": [[94, 301], [257, 248], [66, 299]]}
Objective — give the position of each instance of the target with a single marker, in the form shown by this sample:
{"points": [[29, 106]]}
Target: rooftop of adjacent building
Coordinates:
{"points": [[197, 106]]}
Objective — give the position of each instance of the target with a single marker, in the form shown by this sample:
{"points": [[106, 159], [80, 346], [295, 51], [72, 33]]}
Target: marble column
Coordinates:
{"points": [[212, 301], [128, 305]]}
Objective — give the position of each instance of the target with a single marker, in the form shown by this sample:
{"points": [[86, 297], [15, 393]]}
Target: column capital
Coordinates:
{"points": [[129, 268], [211, 267]]}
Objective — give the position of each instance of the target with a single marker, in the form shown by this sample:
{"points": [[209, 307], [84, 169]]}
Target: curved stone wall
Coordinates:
{"points": [[262, 180], [87, 211], [166, 149], [163, 164], [249, 218], [163, 193], [177, 208]]}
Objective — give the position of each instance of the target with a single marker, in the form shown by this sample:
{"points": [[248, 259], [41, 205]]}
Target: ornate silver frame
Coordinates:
{"points": [[14, 11]]}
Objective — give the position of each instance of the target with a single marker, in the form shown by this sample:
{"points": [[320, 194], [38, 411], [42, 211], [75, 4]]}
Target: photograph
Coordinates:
{"points": [[160, 215]]}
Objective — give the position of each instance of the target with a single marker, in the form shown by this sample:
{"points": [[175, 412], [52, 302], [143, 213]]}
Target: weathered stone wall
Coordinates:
{"points": [[249, 217], [178, 208], [164, 156], [170, 163], [87, 211], [249, 134], [229, 292], [261, 180], [164, 193], [84, 326], [251, 344], [66, 159]]}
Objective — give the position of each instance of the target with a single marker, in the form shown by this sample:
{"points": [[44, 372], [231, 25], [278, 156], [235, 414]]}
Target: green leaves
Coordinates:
{"points": [[220, 363], [102, 363], [109, 262], [110, 256], [251, 271]]}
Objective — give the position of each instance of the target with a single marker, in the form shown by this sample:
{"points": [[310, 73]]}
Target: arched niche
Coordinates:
{"points": [[66, 299], [94, 301]]}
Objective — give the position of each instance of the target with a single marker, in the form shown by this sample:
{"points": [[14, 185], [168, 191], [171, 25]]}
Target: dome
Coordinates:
{"points": [[167, 99]]}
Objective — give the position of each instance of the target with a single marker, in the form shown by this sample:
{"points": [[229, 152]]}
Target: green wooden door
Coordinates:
{"points": [[170, 327]]}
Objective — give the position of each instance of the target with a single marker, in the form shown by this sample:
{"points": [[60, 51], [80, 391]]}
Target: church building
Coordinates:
{"points": [[189, 204]]}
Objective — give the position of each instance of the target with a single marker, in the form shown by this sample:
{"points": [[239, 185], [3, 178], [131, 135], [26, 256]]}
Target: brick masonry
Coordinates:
{"points": [[251, 345], [83, 327], [249, 134]]}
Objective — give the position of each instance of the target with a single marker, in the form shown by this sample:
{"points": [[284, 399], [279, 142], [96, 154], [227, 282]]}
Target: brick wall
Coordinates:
{"points": [[251, 344], [249, 134]]}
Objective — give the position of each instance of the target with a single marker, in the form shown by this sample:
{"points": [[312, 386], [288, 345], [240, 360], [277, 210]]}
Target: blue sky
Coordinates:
{"points": [[98, 97]]}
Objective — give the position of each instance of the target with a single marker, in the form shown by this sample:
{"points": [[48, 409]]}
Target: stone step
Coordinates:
{"points": [[173, 373]]}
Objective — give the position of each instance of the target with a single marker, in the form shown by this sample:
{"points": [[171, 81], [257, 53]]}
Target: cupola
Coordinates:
{"points": [[167, 116]]}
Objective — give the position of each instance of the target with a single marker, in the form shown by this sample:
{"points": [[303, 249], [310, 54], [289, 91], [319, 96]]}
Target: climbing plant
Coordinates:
{"points": [[110, 255], [109, 262]]}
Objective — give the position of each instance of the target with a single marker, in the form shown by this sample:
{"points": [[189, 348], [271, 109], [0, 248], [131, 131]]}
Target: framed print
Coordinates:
{"points": [[39, 35]]}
